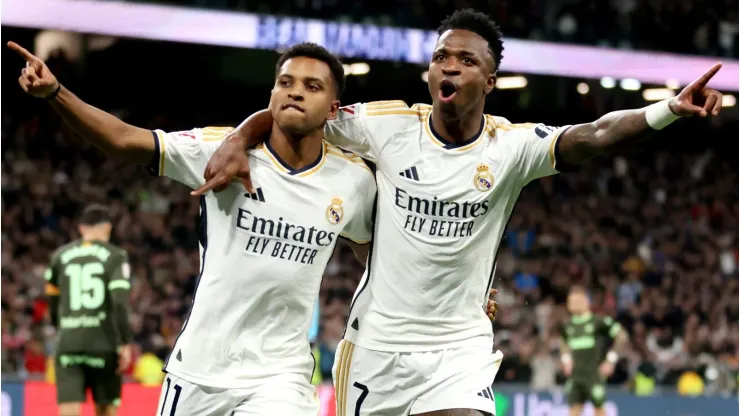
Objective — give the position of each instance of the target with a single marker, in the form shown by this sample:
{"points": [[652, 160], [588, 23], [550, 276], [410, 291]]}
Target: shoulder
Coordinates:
{"points": [[349, 161], [199, 134], [392, 108], [61, 249]]}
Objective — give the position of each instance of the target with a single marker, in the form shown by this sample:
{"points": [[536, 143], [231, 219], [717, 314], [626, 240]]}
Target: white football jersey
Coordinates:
{"points": [[441, 212], [262, 256]]}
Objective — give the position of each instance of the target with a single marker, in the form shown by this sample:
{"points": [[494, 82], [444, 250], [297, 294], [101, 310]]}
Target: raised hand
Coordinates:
{"points": [[36, 79], [697, 99]]}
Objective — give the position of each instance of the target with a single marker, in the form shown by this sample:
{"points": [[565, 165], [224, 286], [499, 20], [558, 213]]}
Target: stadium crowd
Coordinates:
{"points": [[707, 27]]}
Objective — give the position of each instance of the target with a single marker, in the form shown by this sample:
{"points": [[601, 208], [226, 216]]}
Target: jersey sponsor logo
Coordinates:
{"points": [[257, 196], [410, 173], [335, 212], [268, 237], [439, 218], [483, 178]]}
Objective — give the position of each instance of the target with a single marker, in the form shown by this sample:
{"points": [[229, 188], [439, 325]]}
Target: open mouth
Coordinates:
{"points": [[447, 91], [294, 107]]}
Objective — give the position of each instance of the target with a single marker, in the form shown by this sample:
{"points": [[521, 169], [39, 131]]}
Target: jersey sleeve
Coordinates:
{"points": [[536, 149], [609, 327], [348, 131], [360, 226], [118, 288], [183, 155], [363, 128]]}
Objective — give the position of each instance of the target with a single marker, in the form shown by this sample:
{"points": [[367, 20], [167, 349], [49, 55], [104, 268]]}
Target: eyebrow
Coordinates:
{"points": [[307, 79], [461, 52]]}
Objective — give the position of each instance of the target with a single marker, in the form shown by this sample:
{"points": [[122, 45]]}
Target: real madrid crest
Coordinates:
{"points": [[335, 212], [483, 179]]}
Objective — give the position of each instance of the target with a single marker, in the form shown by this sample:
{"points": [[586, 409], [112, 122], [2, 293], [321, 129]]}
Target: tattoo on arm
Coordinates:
{"points": [[612, 131]]}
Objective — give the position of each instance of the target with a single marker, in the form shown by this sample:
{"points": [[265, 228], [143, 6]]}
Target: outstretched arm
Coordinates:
{"points": [[619, 128], [101, 129]]}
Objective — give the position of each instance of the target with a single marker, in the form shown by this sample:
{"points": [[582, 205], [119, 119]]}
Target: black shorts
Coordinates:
{"points": [[75, 373], [580, 392]]}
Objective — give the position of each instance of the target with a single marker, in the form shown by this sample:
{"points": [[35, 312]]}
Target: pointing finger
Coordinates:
{"points": [[208, 186], [23, 52], [704, 79]]}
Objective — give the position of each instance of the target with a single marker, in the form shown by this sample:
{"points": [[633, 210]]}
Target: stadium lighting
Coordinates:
{"points": [[728, 100], [583, 88], [657, 94], [672, 84], [359, 68], [608, 82], [425, 76], [630, 84], [507, 83]]}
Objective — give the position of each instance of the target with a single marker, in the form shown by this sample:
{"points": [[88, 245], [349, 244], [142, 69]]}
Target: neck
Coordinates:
{"points": [[92, 237], [298, 151], [457, 128]]}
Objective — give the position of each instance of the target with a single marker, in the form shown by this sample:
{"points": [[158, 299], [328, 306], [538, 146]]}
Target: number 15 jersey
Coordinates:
{"points": [[441, 211]]}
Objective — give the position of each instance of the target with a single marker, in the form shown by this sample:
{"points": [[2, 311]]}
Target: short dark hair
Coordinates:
{"points": [[318, 52], [480, 24], [95, 214]]}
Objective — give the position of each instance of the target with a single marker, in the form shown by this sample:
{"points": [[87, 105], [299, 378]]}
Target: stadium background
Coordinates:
{"points": [[651, 231]]}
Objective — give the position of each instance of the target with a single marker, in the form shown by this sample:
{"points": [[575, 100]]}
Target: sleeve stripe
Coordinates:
{"points": [[119, 284], [614, 330], [555, 153]]}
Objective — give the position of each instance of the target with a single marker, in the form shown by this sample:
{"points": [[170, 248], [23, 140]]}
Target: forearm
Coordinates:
{"points": [[255, 129], [610, 132], [121, 310], [103, 130]]}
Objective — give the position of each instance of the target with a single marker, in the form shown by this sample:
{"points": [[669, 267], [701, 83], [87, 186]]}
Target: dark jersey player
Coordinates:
{"points": [[589, 351], [88, 285]]}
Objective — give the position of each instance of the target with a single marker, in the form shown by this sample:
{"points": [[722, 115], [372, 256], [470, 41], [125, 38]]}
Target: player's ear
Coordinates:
{"points": [[333, 110], [490, 84]]}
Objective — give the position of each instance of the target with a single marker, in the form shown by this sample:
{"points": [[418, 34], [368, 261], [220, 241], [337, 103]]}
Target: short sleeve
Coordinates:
{"points": [[348, 131], [183, 155], [537, 150], [120, 273], [610, 327], [360, 226]]}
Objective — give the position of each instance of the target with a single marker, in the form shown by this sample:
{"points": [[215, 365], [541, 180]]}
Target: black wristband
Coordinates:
{"points": [[54, 94]]}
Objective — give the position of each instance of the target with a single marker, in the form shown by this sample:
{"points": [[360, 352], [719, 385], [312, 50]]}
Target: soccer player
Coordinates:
{"points": [[88, 287], [244, 349], [448, 178], [583, 350]]}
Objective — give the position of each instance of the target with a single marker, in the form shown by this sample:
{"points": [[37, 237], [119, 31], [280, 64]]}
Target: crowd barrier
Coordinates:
{"points": [[34, 398]]}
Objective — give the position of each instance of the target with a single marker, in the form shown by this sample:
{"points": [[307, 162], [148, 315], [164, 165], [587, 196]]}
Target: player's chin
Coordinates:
{"points": [[296, 126]]}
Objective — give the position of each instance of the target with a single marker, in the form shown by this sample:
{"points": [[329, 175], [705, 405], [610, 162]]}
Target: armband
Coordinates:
{"points": [[659, 115]]}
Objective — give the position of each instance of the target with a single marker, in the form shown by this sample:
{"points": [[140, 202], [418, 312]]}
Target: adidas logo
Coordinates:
{"points": [[179, 357], [487, 393], [355, 324], [410, 173], [259, 196]]}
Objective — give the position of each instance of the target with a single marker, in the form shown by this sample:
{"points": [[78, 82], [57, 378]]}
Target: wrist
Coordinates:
{"points": [[661, 114], [612, 357], [54, 93]]}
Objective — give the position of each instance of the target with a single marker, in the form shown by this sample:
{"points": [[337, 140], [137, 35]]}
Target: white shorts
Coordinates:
{"points": [[394, 384], [289, 395]]}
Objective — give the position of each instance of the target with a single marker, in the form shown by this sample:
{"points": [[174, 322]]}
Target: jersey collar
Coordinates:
{"points": [[579, 319], [447, 145], [312, 167]]}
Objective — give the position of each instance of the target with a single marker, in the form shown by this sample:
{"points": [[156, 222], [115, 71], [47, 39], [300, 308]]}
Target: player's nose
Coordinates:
{"points": [[296, 95], [451, 70]]}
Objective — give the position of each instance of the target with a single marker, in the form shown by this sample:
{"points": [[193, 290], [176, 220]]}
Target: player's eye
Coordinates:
{"points": [[439, 58], [313, 87], [284, 83], [468, 61]]}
